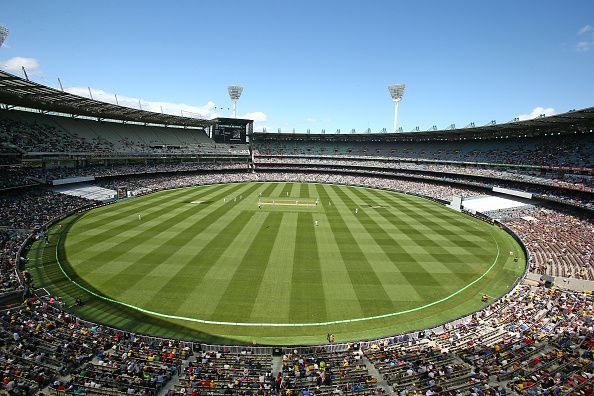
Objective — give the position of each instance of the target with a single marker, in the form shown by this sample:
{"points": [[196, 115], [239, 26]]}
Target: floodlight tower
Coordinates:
{"points": [[396, 92], [235, 92], [3, 34]]}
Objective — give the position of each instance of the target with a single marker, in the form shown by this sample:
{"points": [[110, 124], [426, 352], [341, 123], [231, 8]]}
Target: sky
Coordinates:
{"points": [[313, 64]]}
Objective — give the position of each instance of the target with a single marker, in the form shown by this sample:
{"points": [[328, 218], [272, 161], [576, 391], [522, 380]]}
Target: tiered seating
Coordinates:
{"points": [[31, 209], [19, 176], [419, 368], [36, 133], [577, 150], [519, 342], [560, 243], [129, 137], [325, 373], [218, 373], [129, 368], [10, 241], [570, 181], [9, 154], [575, 196], [16, 176], [38, 348], [522, 341]]}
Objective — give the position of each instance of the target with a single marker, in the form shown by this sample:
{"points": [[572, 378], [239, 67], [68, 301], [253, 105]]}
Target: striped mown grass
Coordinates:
{"points": [[362, 263]]}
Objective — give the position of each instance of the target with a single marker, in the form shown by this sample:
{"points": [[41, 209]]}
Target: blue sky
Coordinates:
{"points": [[315, 64]]}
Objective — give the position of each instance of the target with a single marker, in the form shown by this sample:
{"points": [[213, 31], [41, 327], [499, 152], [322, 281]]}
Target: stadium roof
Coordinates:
{"points": [[16, 91], [570, 122]]}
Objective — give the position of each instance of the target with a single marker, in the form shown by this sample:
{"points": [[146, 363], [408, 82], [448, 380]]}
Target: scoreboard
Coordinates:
{"points": [[231, 130]]}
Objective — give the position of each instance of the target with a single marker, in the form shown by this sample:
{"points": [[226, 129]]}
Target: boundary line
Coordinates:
{"points": [[249, 324]]}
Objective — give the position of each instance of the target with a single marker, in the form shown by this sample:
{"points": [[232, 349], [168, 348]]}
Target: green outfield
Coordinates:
{"points": [[275, 263]]}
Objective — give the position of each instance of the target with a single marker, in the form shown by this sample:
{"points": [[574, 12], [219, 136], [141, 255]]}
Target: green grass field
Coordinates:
{"points": [[234, 263]]}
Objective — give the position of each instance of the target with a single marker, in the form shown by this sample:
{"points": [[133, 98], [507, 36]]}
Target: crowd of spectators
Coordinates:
{"points": [[123, 170], [508, 214], [577, 150], [208, 148], [530, 341], [21, 214], [28, 210], [147, 184], [9, 155], [144, 184], [46, 135], [560, 243], [18, 176], [564, 180], [219, 372], [571, 196], [37, 348], [322, 372], [129, 365], [23, 176], [44, 348], [32, 133], [576, 194], [37, 137], [534, 341], [10, 242]]}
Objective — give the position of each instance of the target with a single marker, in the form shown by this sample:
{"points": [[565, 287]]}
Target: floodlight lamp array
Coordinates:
{"points": [[235, 91], [3, 34], [396, 91]]}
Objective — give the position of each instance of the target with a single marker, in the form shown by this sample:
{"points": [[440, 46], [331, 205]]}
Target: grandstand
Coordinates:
{"points": [[43, 135], [62, 155]]}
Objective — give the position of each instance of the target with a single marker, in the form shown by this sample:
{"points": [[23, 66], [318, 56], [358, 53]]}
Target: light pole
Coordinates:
{"points": [[3, 34], [235, 92], [396, 92]]}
